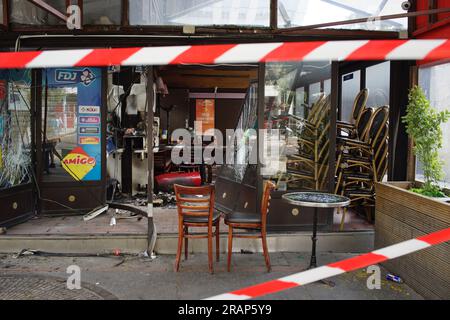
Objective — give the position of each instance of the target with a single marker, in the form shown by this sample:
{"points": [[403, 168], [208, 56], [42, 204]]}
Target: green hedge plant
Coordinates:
{"points": [[423, 125]]}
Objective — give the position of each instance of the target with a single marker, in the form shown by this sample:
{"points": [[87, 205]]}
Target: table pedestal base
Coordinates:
{"points": [[313, 261]]}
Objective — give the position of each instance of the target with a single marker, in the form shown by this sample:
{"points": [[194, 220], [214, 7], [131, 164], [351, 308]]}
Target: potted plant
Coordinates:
{"points": [[405, 210], [423, 125]]}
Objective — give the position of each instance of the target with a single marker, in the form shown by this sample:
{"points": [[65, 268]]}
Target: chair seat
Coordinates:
{"points": [[243, 217], [204, 219]]}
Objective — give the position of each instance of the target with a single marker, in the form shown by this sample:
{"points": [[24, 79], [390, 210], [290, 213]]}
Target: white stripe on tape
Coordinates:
{"points": [[414, 50], [155, 55], [313, 275], [334, 50], [58, 58], [250, 52], [229, 296], [402, 248]]}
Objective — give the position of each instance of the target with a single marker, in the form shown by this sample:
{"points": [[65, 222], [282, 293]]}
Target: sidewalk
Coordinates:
{"points": [[133, 277]]}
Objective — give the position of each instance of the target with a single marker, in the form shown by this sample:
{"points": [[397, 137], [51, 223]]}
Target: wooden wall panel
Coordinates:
{"points": [[400, 216]]}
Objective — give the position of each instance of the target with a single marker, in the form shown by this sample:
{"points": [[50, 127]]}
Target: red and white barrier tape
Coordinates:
{"points": [[233, 53], [333, 269]]}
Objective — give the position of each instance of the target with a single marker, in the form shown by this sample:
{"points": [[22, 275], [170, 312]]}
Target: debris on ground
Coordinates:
{"points": [[96, 212], [2, 230], [30, 252], [394, 278]]}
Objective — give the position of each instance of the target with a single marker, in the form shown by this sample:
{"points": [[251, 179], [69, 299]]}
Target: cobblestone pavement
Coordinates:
{"points": [[134, 277], [34, 287]]}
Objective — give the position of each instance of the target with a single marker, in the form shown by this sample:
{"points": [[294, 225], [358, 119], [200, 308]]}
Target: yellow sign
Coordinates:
{"points": [[78, 163]]}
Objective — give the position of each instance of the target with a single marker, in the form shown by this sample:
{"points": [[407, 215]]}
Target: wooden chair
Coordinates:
{"points": [[196, 209], [239, 220]]}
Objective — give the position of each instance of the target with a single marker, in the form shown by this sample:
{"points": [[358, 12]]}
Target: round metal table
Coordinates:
{"points": [[315, 200]]}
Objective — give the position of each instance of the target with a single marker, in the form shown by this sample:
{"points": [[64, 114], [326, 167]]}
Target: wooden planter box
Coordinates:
{"points": [[402, 215]]}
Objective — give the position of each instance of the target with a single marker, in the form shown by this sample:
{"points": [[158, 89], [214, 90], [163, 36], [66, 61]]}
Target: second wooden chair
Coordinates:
{"points": [[238, 220]]}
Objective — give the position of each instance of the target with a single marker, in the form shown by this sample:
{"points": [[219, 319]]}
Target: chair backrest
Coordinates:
{"points": [[195, 201], [379, 119], [359, 104], [364, 123], [315, 107], [265, 201]]}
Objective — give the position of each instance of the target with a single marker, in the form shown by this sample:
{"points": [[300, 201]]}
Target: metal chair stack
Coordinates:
{"points": [[362, 159]]}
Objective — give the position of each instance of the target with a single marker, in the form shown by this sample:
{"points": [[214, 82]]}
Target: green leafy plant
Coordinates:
{"points": [[423, 125]]}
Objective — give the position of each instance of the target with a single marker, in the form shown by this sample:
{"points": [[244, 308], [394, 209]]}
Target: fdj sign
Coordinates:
{"points": [[70, 76]]}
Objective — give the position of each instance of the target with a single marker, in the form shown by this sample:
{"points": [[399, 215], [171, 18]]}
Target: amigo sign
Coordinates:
{"points": [[78, 163]]}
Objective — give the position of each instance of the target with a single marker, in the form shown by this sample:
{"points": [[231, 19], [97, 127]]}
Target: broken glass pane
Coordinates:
{"points": [[15, 130]]}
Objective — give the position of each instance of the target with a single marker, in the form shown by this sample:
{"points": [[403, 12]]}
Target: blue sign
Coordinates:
{"points": [[83, 76], [89, 98]]}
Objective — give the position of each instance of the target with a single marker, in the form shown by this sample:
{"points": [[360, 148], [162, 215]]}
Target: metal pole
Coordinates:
{"points": [[151, 231]]}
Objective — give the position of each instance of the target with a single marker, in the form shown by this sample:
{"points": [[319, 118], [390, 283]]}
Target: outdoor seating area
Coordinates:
{"points": [[207, 132]]}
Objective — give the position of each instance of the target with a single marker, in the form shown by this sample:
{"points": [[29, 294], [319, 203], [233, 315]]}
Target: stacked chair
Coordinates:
{"points": [[308, 147], [359, 105], [362, 159]]}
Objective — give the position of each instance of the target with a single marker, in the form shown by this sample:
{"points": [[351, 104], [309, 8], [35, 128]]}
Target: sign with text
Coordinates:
{"points": [[78, 163], [89, 109], [89, 120], [204, 115], [88, 84]]}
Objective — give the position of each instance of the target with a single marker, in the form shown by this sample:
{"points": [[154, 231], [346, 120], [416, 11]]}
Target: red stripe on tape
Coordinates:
{"points": [[106, 57], [17, 59], [375, 50], [202, 54], [291, 51], [441, 52], [265, 288], [436, 237], [358, 262]]}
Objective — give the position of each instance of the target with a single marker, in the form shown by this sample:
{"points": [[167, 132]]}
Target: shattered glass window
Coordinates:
{"points": [[15, 128], [242, 152]]}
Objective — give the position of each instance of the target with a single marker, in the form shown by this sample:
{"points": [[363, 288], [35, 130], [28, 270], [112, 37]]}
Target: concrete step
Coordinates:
{"points": [[338, 242]]}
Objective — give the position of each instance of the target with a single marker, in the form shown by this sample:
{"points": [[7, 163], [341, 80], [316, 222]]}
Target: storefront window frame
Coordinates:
{"points": [[334, 96], [125, 24], [413, 165], [4, 15]]}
